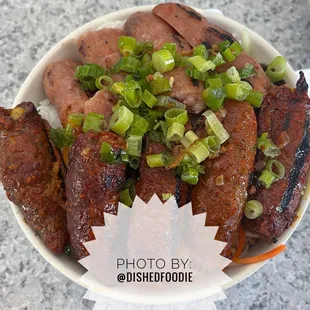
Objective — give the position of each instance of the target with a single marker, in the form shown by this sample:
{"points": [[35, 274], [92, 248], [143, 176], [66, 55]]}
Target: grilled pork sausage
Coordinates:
{"points": [[284, 110], [195, 29], [159, 180], [186, 90], [100, 47], [102, 103], [224, 204], [146, 26], [29, 172], [63, 90], [92, 187]]}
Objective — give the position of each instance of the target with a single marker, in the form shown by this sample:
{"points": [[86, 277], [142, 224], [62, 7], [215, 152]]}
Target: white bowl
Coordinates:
{"points": [[32, 90]]}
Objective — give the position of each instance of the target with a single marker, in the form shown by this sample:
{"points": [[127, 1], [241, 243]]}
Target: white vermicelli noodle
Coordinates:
{"points": [[49, 113]]}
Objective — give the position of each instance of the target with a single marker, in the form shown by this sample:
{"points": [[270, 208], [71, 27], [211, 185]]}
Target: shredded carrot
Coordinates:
{"points": [[261, 257], [241, 243]]}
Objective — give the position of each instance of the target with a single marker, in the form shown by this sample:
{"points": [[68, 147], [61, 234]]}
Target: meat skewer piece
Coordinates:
{"points": [[224, 203], [92, 186], [29, 172], [63, 90], [187, 90], [195, 29], [284, 110], [159, 180], [100, 47], [146, 26]]}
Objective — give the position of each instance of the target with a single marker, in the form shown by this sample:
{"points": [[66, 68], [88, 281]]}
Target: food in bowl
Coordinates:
{"points": [[169, 105]]}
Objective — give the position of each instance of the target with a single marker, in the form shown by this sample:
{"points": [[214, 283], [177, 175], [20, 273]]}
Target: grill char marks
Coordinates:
{"points": [[284, 110]]}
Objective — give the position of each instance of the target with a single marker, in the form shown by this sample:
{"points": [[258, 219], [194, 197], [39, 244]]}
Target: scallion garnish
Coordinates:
{"points": [[235, 48], [87, 75], [171, 47], [267, 146], [166, 196], [253, 209], [276, 69], [233, 74], [229, 55], [175, 132], [247, 71], [121, 120], [236, 91], [190, 176], [214, 97], [199, 151], [224, 45], [76, 119], [133, 93], [134, 145], [127, 64], [255, 98], [168, 102], [201, 64], [118, 88], [275, 168], [104, 78], [266, 178], [125, 198], [218, 59], [134, 162], [127, 45], [93, 121], [200, 50], [159, 85], [212, 142], [189, 138], [197, 75], [155, 160], [62, 137], [163, 61], [215, 82], [216, 126], [176, 115], [149, 99], [106, 153]]}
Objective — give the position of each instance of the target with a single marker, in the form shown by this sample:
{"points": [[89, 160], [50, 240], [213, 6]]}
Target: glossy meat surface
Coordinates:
{"points": [[284, 110], [102, 103], [224, 204], [63, 90], [186, 90], [29, 171], [195, 28], [100, 47], [145, 26], [159, 180], [92, 187]]}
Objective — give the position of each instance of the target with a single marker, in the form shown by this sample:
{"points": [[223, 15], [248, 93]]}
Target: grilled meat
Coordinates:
{"points": [[29, 171], [92, 187]]}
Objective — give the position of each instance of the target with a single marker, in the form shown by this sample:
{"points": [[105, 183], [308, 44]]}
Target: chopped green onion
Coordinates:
{"points": [[62, 137], [233, 74], [149, 99], [235, 48], [212, 142], [236, 91], [266, 178], [168, 102], [214, 97], [167, 158], [144, 72], [216, 126], [93, 121], [140, 122], [159, 85], [125, 198], [191, 176], [146, 60], [201, 64], [88, 71], [76, 119], [199, 151], [245, 85], [133, 93], [196, 74], [136, 132], [181, 61], [155, 160], [134, 162], [106, 153], [201, 50], [215, 82], [218, 59], [121, 120], [274, 165], [223, 76], [176, 115], [189, 138], [267, 146], [255, 98], [127, 64], [163, 61], [229, 55], [253, 209], [118, 88], [175, 132], [276, 69], [171, 47], [89, 84], [105, 78], [166, 196], [247, 71], [127, 45], [142, 47], [224, 45], [134, 145]]}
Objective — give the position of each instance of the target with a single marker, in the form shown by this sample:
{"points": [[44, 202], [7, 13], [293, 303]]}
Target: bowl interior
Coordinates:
{"points": [[32, 90]]}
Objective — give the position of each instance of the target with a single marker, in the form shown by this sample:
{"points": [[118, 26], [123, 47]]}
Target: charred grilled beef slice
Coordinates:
{"points": [[93, 187], [195, 29], [284, 110], [224, 203], [30, 174], [159, 180]]}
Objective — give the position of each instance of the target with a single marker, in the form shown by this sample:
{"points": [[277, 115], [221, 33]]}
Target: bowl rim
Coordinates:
{"points": [[72, 273]]}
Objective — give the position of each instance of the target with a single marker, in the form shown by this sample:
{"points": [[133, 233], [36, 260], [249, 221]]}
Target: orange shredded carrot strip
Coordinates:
{"points": [[241, 243], [261, 257]]}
